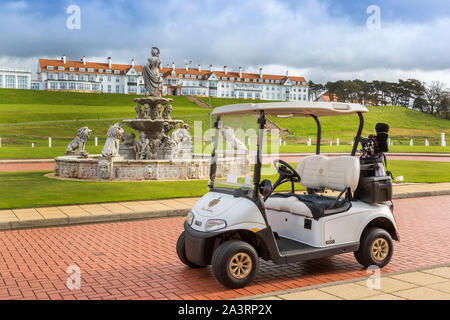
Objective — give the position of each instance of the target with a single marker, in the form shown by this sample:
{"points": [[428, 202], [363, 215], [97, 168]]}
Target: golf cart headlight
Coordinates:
{"points": [[190, 218], [215, 224]]}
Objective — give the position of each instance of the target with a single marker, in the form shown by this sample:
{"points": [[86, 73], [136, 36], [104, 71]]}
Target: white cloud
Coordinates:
{"points": [[302, 37]]}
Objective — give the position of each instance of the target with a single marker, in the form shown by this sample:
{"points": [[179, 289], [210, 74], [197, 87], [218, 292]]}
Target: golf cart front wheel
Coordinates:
{"points": [[235, 263], [376, 248], [181, 251]]}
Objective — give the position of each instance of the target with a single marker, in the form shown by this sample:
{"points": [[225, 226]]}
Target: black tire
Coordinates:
{"points": [[221, 263], [381, 257], [181, 251]]}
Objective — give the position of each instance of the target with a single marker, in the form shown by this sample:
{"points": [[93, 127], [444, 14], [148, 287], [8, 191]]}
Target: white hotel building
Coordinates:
{"points": [[15, 78], [83, 76]]}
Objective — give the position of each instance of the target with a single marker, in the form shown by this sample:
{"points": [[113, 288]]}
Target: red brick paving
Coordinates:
{"points": [[137, 260]]}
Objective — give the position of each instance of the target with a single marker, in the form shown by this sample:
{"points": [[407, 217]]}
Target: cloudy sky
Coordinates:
{"points": [[320, 39]]}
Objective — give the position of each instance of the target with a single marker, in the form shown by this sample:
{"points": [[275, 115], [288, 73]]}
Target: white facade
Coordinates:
{"points": [[15, 78], [82, 76]]}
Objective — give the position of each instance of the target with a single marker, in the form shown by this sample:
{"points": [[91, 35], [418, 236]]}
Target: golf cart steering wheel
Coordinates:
{"points": [[286, 172]]}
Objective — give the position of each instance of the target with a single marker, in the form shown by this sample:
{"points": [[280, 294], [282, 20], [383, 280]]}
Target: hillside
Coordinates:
{"points": [[28, 116], [405, 124]]}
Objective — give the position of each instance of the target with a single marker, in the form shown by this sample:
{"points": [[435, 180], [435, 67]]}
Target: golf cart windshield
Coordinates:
{"points": [[235, 145]]}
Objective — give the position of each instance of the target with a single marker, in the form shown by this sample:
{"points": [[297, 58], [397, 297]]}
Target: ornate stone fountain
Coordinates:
{"points": [[156, 154]]}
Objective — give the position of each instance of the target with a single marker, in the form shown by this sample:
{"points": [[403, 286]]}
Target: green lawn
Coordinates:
{"points": [[34, 189], [405, 124], [62, 113]]}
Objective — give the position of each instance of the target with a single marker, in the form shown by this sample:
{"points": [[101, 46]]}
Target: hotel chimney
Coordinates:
{"points": [[173, 66], [83, 60], [260, 72], [199, 68], [109, 62], [187, 67], [287, 73], [132, 63], [225, 70], [64, 58], [210, 68], [240, 72]]}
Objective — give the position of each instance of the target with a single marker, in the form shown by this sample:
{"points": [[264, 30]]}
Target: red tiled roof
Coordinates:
{"points": [[124, 68]]}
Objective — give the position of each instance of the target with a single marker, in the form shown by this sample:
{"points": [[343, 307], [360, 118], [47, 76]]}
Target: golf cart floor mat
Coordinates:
{"points": [[319, 205], [287, 245]]}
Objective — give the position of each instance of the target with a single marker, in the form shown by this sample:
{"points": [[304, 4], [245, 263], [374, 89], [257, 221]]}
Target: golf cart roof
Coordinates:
{"points": [[296, 109]]}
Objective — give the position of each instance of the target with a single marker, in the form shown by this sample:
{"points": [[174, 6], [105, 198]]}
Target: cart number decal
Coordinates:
{"points": [[332, 241]]}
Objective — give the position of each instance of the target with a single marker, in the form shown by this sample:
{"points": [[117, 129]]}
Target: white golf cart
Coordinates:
{"points": [[240, 220]]}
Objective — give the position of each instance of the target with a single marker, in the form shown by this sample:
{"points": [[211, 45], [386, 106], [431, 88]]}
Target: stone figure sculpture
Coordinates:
{"points": [[113, 136], [182, 137], [144, 148], [79, 142], [150, 72], [128, 139], [167, 111], [139, 113], [231, 141]]}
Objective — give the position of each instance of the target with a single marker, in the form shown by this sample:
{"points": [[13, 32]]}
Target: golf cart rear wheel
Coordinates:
{"points": [[376, 248], [235, 263], [181, 251]]}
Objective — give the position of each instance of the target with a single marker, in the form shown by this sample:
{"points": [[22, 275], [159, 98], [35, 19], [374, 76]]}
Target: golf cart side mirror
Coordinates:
{"points": [[265, 188]]}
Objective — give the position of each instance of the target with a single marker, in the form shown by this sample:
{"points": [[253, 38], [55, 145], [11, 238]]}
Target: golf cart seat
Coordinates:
{"points": [[319, 172]]}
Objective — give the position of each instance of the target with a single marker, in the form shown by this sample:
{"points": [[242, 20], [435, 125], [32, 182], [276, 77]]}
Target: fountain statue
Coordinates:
{"points": [[151, 121], [161, 150]]}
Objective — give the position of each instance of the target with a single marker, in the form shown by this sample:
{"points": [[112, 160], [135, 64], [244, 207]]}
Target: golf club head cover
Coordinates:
{"points": [[382, 130]]}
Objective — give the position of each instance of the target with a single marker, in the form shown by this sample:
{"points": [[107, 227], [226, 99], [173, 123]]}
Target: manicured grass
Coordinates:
{"points": [[404, 123], [99, 111], [34, 189]]}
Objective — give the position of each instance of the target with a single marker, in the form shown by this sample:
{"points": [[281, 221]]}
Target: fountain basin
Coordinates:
{"points": [[96, 167], [153, 128]]}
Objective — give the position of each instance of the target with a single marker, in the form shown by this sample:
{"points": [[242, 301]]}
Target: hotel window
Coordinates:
{"points": [[60, 68], [100, 70], [254, 80], [91, 77], [90, 70], [187, 76], [224, 78], [117, 89], [49, 67], [61, 76], [23, 83], [200, 77], [109, 88], [72, 86], [246, 80], [10, 82], [116, 71], [71, 77], [81, 69], [277, 81], [53, 85], [62, 86], [1, 81], [117, 79], [81, 77], [71, 69], [108, 71], [109, 78]]}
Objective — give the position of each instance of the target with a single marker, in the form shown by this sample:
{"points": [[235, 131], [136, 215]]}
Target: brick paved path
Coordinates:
{"points": [[131, 260]]}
